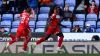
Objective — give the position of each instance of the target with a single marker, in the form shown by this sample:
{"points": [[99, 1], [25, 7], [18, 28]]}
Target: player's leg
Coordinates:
{"points": [[60, 40], [10, 35], [48, 34], [40, 41], [13, 40], [43, 39], [26, 41]]}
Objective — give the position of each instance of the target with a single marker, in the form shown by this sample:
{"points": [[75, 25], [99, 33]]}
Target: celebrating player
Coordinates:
{"points": [[23, 29], [53, 28]]}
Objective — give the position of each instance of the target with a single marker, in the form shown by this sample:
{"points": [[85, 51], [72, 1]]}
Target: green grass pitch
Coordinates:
{"points": [[49, 54]]}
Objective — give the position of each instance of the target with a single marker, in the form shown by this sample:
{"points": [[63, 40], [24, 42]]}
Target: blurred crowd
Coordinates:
{"points": [[16, 6]]}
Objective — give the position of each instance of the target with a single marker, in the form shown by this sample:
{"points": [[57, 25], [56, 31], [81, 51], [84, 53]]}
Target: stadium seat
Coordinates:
{"points": [[6, 24], [0, 3], [32, 29], [16, 17], [40, 30], [66, 23], [65, 30], [59, 2], [80, 17], [43, 17], [15, 24], [98, 30], [80, 23], [14, 30], [98, 24], [41, 24], [71, 8], [0, 24], [92, 23], [32, 24], [91, 32], [44, 10], [70, 2], [0, 17], [99, 17], [7, 17], [7, 29], [90, 17]]}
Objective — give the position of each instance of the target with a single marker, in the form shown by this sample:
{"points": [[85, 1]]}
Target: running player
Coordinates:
{"points": [[23, 29], [53, 28]]}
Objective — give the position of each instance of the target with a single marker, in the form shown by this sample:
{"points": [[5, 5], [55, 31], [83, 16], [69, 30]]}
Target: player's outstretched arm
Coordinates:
{"points": [[62, 25]]}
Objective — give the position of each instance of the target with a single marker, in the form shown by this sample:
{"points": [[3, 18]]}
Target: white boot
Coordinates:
{"points": [[7, 45], [33, 46], [59, 50]]}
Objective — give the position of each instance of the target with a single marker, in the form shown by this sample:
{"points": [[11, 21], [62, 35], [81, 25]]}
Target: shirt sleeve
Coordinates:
{"points": [[53, 16], [20, 15]]}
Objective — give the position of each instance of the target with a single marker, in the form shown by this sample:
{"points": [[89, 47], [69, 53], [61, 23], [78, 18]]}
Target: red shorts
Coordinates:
{"points": [[50, 30], [21, 33]]}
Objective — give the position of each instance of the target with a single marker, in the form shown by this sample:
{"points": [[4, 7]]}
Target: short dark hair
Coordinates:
{"points": [[28, 9], [93, 0], [95, 38]]}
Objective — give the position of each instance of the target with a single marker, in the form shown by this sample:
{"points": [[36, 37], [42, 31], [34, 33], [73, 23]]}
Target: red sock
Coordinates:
{"points": [[25, 43], [25, 46], [11, 42], [41, 40], [12, 37], [60, 41]]}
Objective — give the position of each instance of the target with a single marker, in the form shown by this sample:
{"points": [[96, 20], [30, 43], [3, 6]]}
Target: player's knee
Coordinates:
{"points": [[46, 38], [60, 35]]}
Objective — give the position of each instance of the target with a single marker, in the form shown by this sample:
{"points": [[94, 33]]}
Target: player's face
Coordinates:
{"points": [[93, 3], [2, 30], [3, 2], [66, 8], [55, 11]]}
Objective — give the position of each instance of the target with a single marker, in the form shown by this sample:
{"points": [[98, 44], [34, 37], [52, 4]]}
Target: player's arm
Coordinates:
{"points": [[32, 15], [63, 25], [20, 15], [53, 16]]}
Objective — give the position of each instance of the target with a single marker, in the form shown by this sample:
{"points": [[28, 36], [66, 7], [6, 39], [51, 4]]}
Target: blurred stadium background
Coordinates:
{"points": [[81, 13]]}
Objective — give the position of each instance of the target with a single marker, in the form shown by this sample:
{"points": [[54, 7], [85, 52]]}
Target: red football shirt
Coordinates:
{"points": [[24, 23], [55, 20]]}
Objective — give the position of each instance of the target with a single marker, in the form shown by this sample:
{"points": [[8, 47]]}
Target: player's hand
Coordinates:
{"points": [[56, 32]]}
